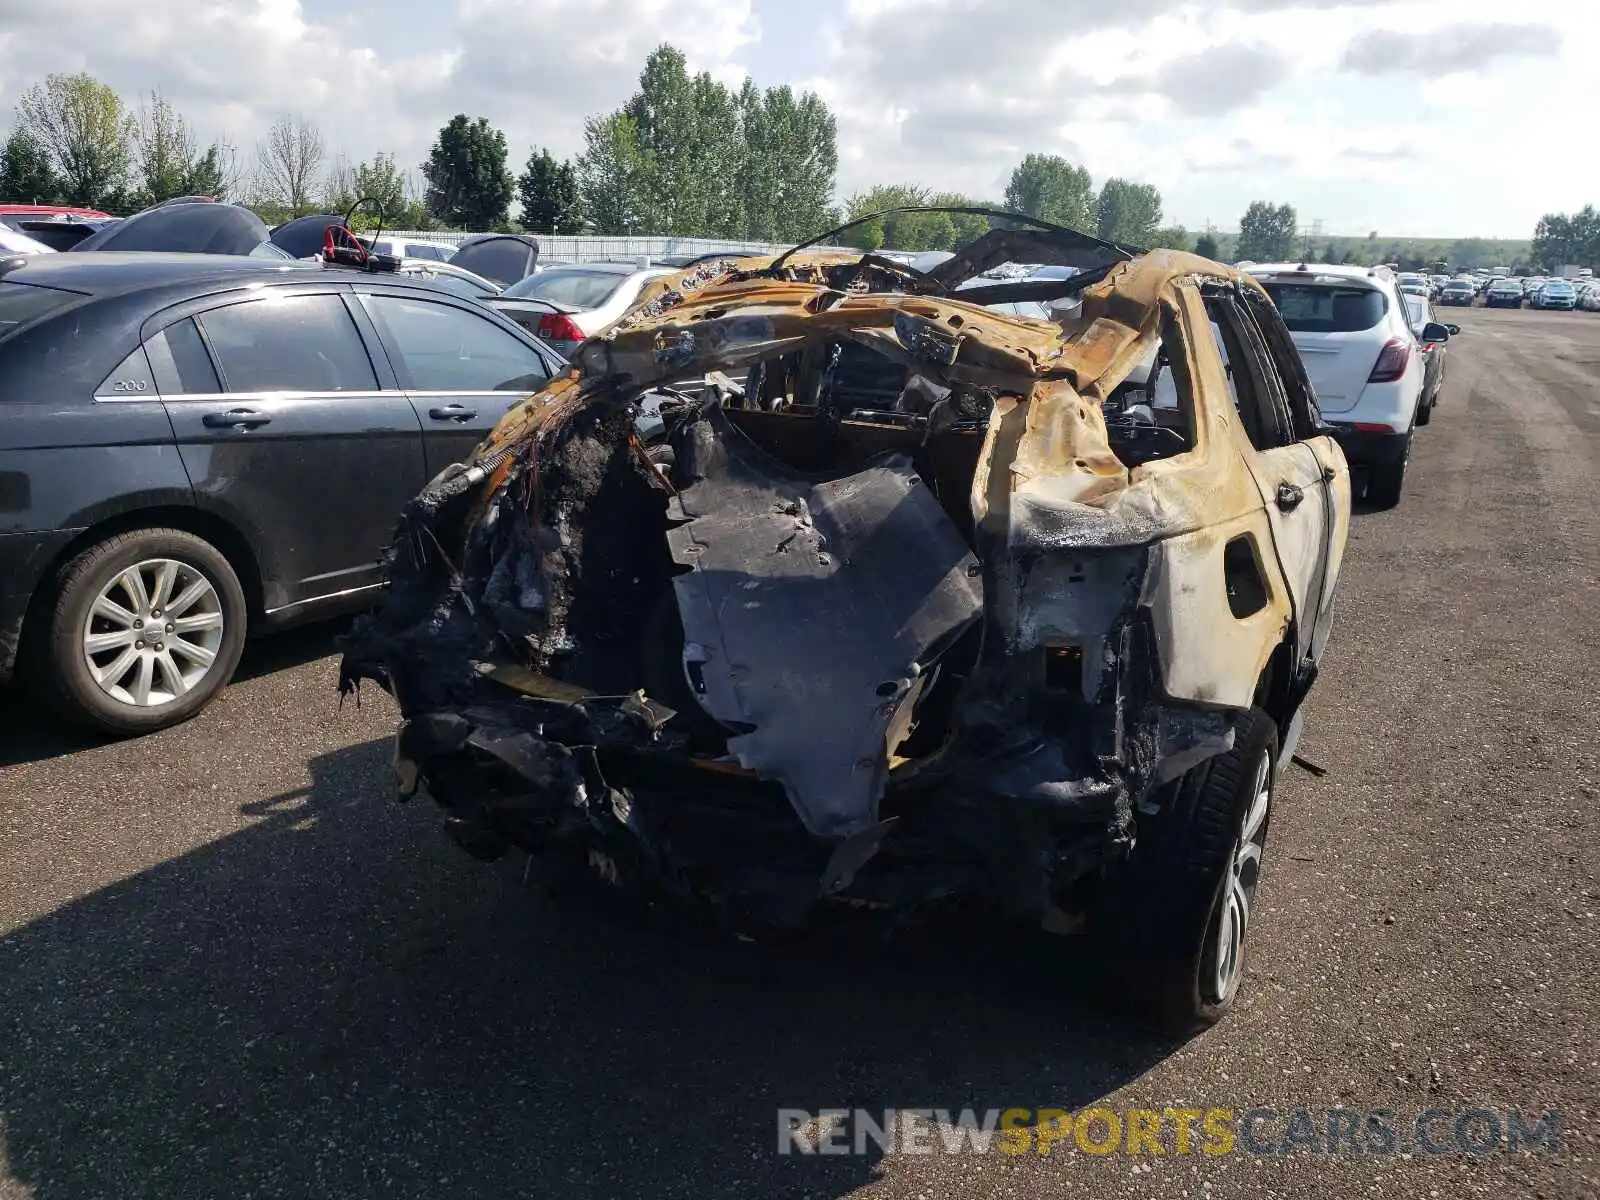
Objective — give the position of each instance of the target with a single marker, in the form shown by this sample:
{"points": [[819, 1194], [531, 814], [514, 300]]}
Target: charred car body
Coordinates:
{"points": [[1020, 611]]}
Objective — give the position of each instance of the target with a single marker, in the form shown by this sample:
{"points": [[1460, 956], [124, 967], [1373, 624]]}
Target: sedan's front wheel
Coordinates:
{"points": [[143, 630]]}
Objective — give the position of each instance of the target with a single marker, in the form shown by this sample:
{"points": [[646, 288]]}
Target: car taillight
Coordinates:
{"points": [[1392, 361], [558, 327], [1372, 427]]}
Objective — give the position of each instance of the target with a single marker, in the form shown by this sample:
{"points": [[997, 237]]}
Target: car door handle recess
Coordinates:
{"points": [[235, 418], [1289, 496], [453, 412]]}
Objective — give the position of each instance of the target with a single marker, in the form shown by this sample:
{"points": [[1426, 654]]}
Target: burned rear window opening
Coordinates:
{"points": [[899, 618]]}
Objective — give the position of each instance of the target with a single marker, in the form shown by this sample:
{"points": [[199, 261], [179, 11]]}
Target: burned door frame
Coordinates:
{"points": [[1317, 435], [1293, 479]]}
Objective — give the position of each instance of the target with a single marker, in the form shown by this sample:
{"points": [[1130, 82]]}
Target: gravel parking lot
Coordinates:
{"points": [[231, 965]]}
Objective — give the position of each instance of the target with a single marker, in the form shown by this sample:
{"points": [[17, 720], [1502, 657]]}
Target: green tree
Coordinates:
{"points": [[339, 188], [1173, 237], [899, 231], [688, 135], [166, 158], [687, 156], [1470, 252], [549, 193], [1561, 239], [1050, 188], [1127, 212], [468, 183], [1206, 245], [414, 214], [214, 173], [84, 129], [611, 176], [380, 179], [1267, 232], [1586, 237], [790, 161], [26, 176], [968, 226]]}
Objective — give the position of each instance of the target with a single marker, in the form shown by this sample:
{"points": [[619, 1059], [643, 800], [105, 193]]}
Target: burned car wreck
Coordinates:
{"points": [[937, 604]]}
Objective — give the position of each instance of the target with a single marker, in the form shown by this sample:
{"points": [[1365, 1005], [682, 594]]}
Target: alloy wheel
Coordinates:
{"points": [[1244, 873], [153, 632]]}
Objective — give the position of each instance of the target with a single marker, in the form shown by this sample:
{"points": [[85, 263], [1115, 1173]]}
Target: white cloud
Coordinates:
{"points": [[1325, 104]]}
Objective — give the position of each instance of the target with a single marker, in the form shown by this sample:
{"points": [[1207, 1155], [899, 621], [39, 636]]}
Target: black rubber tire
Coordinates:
{"points": [[1385, 483], [56, 670], [1425, 413], [1154, 926]]}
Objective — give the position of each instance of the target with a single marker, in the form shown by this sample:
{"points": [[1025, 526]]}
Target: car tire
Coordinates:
{"points": [[1425, 411], [1385, 483], [1171, 926], [96, 662]]}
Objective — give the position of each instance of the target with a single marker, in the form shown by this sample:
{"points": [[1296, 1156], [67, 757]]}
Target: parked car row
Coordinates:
{"points": [[214, 409], [1504, 291], [1542, 293], [179, 426]]}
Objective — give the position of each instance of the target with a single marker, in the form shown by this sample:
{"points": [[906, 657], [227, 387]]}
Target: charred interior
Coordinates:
{"points": [[819, 579]]}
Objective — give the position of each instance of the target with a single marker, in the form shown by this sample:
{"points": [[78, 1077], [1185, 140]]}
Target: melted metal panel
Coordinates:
{"points": [[811, 614]]}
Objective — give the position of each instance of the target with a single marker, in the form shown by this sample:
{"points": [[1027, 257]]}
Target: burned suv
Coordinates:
{"points": [[938, 605]]}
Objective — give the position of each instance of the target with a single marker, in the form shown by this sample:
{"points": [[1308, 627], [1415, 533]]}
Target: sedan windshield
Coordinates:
{"points": [[577, 288]]}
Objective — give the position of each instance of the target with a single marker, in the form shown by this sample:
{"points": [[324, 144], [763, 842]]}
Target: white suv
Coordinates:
{"points": [[1362, 358]]}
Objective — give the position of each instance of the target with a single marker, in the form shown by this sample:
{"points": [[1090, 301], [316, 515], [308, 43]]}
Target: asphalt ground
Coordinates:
{"points": [[231, 965]]}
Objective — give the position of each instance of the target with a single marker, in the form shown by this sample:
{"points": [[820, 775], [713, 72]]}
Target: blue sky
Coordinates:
{"points": [[1445, 117]]}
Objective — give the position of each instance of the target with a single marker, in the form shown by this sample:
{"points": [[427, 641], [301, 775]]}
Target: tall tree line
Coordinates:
{"points": [[75, 141], [684, 155], [687, 154], [1046, 186], [1562, 239]]}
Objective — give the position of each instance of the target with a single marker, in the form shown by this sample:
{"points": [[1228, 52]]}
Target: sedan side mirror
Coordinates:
{"points": [[1454, 329], [1435, 332]]}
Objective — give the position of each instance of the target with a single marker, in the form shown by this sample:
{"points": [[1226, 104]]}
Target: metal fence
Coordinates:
{"points": [[579, 248]]}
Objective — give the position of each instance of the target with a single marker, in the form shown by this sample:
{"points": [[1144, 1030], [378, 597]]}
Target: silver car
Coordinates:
{"points": [[562, 307]]}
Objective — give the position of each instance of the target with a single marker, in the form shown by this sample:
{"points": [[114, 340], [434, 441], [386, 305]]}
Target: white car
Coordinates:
{"points": [[566, 305], [12, 242], [1362, 358], [411, 248]]}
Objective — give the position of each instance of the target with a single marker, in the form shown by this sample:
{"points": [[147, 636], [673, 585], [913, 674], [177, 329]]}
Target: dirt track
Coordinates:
{"points": [[229, 965]]}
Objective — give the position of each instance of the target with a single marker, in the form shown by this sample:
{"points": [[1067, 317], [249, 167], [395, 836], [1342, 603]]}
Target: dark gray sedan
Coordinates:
{"points": [[194, 448]]}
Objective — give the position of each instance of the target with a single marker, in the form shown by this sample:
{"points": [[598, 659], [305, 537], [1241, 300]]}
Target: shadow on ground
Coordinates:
{"points": [[29, 735], [291, 648], [336, 1002]]}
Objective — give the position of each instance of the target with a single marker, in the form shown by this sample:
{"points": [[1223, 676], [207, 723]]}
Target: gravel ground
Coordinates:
{"points": [[231, 966]]}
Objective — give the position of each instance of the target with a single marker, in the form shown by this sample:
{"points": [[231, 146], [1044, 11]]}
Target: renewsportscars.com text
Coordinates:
{"points": [[1153, 1131]]}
